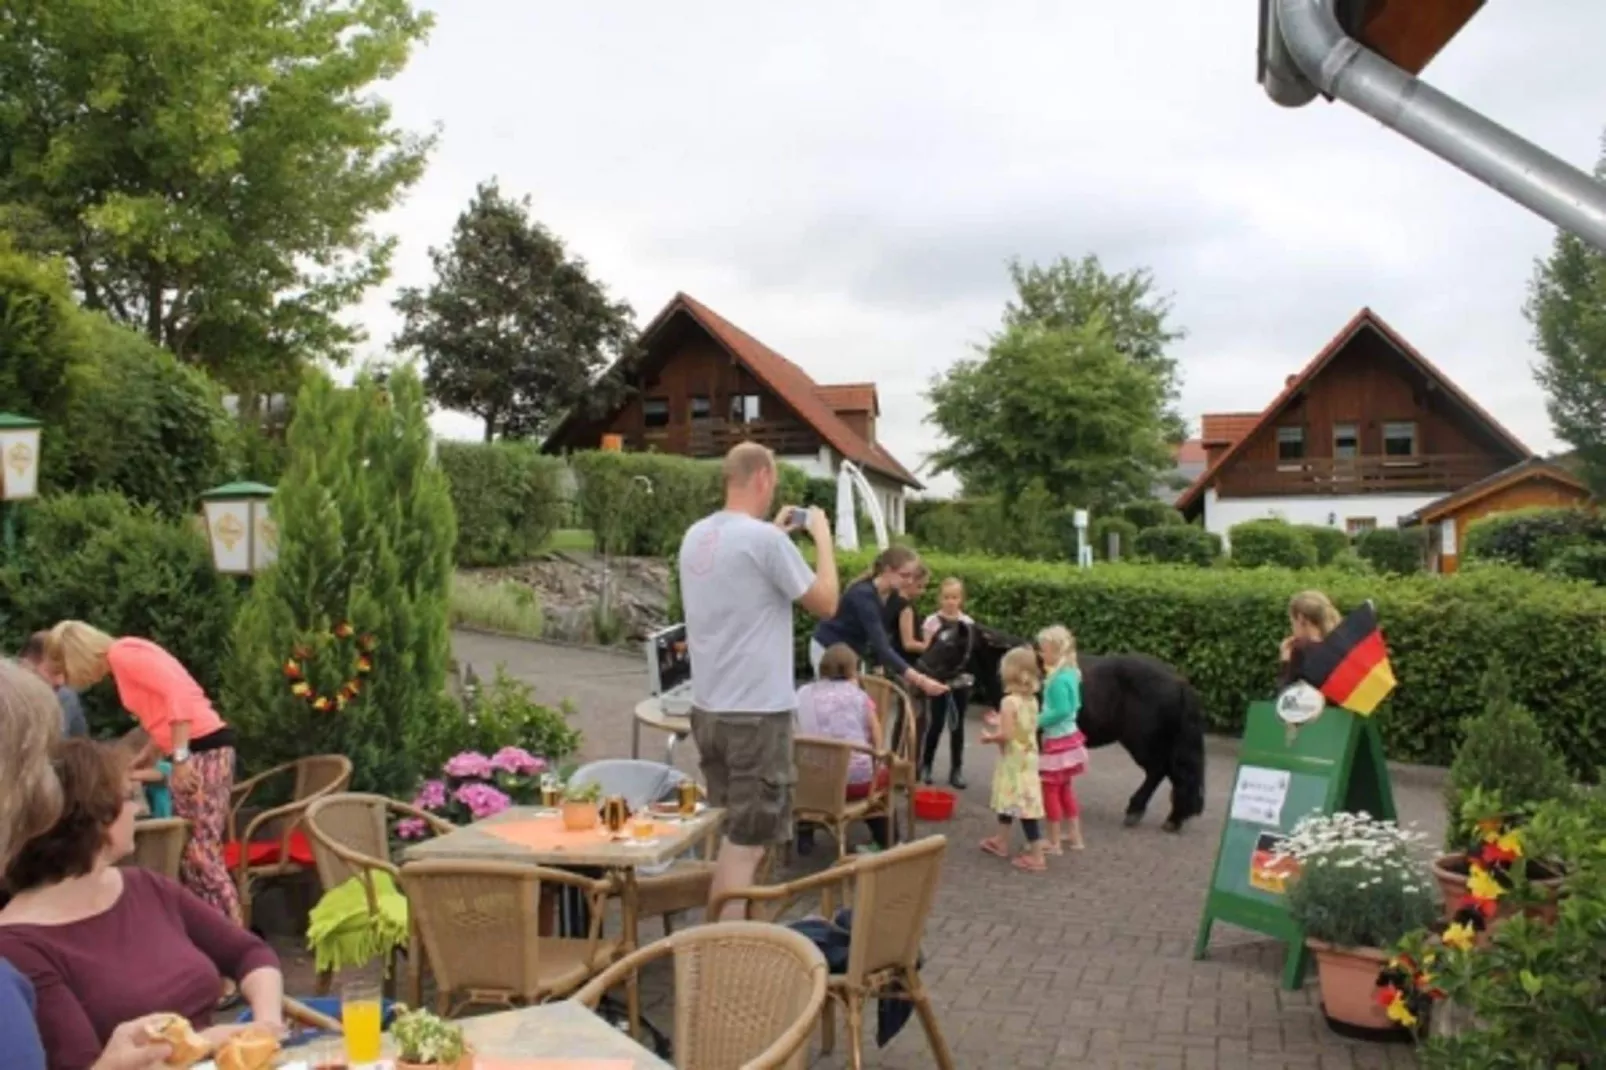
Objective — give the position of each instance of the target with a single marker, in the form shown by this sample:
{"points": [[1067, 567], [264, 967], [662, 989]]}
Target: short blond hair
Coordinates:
{"points": [[30, 725], [78, 651], [1057, 638], [1019, 673], [1315, 609], [746, 460]]}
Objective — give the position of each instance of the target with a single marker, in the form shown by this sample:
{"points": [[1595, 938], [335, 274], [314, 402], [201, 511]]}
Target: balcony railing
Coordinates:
{"points": [[1426, 473], [715, 438]]}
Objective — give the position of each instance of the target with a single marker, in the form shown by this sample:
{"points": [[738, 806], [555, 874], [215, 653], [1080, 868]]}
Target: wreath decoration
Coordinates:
{"points": [[295, 672]]}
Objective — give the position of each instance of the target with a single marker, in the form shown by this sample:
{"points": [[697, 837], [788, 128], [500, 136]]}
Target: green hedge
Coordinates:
{"points": [[1178, 544], [1124, 530], [1329, 542], [1400, 551], [1271, 542], [1221, 627], [1533, 538], [508, 498]]}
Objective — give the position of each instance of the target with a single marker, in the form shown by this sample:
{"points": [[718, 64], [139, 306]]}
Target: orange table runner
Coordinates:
{"points": [[548, 834], [485, 1062]]}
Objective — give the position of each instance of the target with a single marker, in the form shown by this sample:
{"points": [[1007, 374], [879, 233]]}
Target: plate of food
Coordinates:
{"points": [[251, 1048], [670, 808]]}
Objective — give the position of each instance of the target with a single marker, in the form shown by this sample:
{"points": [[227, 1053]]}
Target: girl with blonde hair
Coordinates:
{"points": [[1064, 747], [1311, 617], [175, 713], [1017, 788]]}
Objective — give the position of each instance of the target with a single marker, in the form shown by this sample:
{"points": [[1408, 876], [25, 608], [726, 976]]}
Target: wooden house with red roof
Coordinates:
{"points": [[700, 384], [1370, 432]]}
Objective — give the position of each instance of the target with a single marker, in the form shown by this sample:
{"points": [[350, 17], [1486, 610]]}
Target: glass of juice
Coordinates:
{"points": [[360, 1018], [642, 826]]}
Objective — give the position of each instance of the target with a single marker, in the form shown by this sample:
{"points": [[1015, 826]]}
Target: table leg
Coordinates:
{"points": [[669, 751], [627, 909]]}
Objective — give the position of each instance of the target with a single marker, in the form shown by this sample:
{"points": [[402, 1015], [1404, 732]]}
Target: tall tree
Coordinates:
{"points": [[1059, 406], [1068, 293], [1567, 307], [514, 329], [210, 168]]}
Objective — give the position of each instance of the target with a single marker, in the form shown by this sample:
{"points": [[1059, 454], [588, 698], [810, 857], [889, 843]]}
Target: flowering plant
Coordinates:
{"points": [[473, 786], [1408, 986], [1497, 863], [1361, 882]]}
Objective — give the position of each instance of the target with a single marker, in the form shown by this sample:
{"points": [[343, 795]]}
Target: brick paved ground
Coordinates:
{"points": [[1088, 965]]}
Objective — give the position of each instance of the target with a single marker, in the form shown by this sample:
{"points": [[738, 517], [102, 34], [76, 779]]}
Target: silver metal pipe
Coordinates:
{"points": [[1338, 65]]}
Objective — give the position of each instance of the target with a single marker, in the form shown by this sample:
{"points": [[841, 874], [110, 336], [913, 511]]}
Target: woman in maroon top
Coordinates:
{"points": [[103, 944]]}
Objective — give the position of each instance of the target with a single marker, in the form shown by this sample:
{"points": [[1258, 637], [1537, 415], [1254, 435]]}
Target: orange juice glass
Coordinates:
{"points": [[360, 1018], [642, 828]]}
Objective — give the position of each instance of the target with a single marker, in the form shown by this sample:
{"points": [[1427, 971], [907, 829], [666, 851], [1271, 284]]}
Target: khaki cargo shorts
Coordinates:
{"points": [[747, 761]]}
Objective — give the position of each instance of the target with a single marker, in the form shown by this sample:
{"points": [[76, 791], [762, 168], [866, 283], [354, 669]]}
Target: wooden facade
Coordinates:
{"points": [[1532, 484]]}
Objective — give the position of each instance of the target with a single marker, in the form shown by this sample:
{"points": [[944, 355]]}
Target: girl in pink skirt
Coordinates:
{"points": [[1064, 750]]}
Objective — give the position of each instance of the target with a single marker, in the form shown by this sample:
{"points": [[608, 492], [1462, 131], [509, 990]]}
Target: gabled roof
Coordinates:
{"points": [[791, 384], [1532, 468], [1362, 320], [850, 397]]}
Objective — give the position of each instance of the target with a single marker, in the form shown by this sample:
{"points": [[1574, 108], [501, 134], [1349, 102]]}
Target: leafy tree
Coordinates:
{"points": [[209, 167], [1061, 405], [1567, 307], [365, 538], [514, 329], [1068, 293]]}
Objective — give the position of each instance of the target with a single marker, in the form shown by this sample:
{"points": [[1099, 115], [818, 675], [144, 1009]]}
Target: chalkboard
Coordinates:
{"points": [[1333, 763]]}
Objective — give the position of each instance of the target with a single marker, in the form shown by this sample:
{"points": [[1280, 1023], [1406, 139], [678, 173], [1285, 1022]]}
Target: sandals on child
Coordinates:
{"points": [[1028, 864], [989, 846]]}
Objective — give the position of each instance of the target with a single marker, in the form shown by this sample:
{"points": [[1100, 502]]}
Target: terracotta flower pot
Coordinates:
{"points": [[1450, 871], [577, 817], [1348, 979]]}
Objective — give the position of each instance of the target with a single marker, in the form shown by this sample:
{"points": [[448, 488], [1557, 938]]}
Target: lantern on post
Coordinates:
{"points": [[242, 534], [19, 457]]}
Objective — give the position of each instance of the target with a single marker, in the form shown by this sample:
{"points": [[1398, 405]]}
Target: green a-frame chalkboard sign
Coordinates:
{"points": [[1333, 763]]}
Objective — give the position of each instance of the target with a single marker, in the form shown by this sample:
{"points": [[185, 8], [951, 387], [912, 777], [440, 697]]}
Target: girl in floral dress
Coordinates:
{"points": [[1017, 790]]}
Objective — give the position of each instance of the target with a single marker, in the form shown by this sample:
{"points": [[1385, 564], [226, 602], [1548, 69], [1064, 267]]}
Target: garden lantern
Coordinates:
{"points": [[242, 534], [19, 457]]}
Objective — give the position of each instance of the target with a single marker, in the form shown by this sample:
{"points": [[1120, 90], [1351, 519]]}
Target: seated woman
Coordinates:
{"points": [[1311, 616], [836, 707], [104, 945]]}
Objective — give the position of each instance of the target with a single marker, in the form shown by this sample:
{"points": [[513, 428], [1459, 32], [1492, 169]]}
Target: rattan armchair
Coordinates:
{"points": [[287, 853], [747, 995], [902, 723], [820, 794], [891, 899], [350, 835], [159, 845], [480, 926]]}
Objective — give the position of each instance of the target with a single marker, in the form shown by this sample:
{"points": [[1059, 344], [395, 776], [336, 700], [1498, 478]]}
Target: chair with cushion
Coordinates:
{"points": [[820, 795], [273, 845]]}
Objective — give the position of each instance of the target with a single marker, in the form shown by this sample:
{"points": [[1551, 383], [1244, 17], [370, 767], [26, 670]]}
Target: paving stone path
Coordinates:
{"points": [[1089, 965]]}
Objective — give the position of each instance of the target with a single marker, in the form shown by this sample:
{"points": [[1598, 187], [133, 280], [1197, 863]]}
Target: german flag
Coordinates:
{"points": [[1351, 666]]}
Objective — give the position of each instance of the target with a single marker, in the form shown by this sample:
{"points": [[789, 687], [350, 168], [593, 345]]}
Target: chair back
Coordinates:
{"points": [[356, 823], [892, 897], [747, 995], [321, 774], [159, 845], [480, 925], [896, 712], [822, 776], [640, 781]]}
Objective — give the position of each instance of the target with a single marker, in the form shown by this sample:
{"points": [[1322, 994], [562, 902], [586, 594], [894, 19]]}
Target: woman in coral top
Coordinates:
{"points": [[180, 721]]}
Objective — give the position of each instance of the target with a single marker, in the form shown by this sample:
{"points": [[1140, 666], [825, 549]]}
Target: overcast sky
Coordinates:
{"points": [[845, 180]]}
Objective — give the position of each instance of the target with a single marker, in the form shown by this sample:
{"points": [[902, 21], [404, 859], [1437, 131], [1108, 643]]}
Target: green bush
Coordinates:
{"points": [[1124, 530], [1531, 538], [508, 498], [506, 714], [125, 569], [1580, 563], [1329, 542], [642, 503], [1178, 544], [1398, 551], [1221, 627], [1271, 542], [1150, 514]]}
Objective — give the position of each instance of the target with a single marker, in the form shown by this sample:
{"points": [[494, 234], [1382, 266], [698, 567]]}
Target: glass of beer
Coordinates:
{"points": [[687, 797], [642, 826], [360, 1018], [551, 792], [615, 813]]}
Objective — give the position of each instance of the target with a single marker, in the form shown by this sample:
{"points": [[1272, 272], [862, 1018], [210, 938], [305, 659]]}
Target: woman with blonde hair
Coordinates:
{"points": [[1311, 617], [30, 803], [182, 724]]}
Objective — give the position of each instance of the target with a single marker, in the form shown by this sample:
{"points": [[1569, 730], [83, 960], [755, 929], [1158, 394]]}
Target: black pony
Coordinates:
{"points": [[1131, 699]]}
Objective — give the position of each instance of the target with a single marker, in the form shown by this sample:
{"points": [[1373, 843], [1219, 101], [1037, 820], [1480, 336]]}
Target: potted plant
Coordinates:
{"points": [[1477, 881], [425, 1042], [579, 806], [1360, 887]]}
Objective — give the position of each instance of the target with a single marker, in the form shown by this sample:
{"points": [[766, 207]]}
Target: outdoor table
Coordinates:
{"points": [[536, 836], [650, 712], [555, 1035]]}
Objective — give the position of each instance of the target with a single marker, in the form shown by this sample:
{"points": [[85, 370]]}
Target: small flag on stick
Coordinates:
{"points": [[1351, 666]]}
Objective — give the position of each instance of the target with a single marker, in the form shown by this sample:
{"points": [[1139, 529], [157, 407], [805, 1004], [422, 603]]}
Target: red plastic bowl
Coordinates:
{"points": [[934, 804]]}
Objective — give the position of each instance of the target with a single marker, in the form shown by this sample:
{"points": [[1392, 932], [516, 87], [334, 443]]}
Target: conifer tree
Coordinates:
{"points": [[342, 647]]}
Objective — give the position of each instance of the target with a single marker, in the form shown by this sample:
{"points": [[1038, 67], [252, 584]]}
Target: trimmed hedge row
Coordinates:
{"points": [[1221, 627], [508, 498]]}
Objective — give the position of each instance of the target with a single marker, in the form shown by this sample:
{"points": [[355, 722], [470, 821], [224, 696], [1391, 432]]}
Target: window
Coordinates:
{"points": [[1346, 442], [1359, 525], [702, 407], [1290, 443], [744, 408], [655, 412], [1399, 440]]}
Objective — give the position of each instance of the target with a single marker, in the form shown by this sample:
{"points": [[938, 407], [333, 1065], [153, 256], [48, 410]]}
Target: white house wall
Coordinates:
{"points": [[1334, 511], [890, 494]]}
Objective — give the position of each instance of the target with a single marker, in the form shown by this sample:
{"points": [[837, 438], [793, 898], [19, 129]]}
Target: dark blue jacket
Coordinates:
{"points": [[859, 623]]}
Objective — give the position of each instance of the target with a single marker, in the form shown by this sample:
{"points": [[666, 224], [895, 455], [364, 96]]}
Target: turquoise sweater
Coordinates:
{"points": [[1062, 701]]}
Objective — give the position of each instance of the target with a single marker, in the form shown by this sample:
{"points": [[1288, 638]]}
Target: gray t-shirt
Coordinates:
{"points": [[738, 579]]}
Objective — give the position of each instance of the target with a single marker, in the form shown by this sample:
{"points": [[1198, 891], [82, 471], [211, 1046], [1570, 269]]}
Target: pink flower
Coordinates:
{"points": [[431, 795], [518, 761], [468, 764], [410, 828], [482, 800]]}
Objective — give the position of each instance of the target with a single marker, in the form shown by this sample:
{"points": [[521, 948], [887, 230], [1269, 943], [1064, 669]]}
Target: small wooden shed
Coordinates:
{"points": [[1534, 482]]}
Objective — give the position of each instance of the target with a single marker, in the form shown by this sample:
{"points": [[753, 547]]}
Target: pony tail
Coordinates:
{"points": [[893, 557]]}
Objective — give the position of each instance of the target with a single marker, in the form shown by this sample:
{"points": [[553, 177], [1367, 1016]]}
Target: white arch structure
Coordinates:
{"points": [[849, 479]]}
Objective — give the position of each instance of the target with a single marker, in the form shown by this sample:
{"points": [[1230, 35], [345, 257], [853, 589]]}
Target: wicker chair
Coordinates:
{"points": [[820, 794], [902, 721], [746, 994], [480, 926], [350, 835], [287, 851], [159, 845], [892, 894]]}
